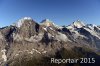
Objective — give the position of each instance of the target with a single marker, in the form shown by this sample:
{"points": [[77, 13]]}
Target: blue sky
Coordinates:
{"points": [[62, 12]]}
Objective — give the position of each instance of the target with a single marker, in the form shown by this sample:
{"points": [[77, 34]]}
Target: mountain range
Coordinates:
{"points": [[28, 43]]}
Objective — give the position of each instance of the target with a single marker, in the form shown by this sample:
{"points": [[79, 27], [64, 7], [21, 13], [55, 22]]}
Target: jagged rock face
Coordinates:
{"points": [[7, 33], [28, 37], [29, 28]]}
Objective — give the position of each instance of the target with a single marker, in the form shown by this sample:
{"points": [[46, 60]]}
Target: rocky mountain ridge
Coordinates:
{"points": [[28, 37]]}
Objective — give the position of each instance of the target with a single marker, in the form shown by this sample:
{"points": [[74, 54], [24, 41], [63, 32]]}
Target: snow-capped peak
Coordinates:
{"points": [[27, 18], [21, 21], [78, 24], [47, 22]]}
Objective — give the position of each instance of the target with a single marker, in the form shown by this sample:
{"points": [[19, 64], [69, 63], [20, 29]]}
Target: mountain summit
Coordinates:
{"points": [[47, 22], [21, 21], [78, 24]]}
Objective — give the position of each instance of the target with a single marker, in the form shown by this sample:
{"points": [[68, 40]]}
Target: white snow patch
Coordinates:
{"points": [[4, 54], [45, 29], [19, 24], [27, 18], [31, 52], [70, 27], [44, 52], [16, 54], [1, 37], [53, 36], [61, 37], [36, 51], [92, 32]]}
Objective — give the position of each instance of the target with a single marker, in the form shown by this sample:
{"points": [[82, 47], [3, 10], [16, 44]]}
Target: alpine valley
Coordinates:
{"points": [[28, 43]]}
